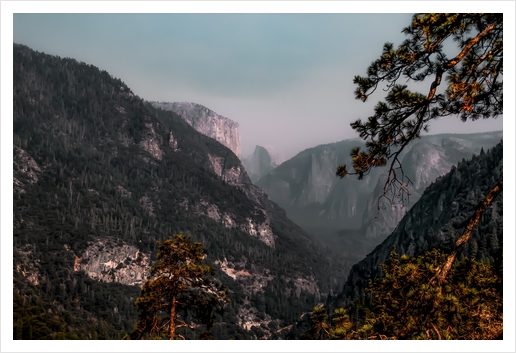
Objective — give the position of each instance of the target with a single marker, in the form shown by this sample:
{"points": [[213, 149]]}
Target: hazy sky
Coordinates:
{"points": [[285, 78]]}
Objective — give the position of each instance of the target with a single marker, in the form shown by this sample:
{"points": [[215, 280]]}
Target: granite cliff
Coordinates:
{"points": [[207, 122], [345, 213], [261, 162], [425, 161]]}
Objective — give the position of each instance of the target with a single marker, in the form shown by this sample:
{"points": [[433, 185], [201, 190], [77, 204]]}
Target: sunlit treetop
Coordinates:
{"points": [[470, 79]]}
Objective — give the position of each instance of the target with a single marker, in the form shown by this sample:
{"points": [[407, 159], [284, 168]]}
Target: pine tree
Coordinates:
{"points": [[408, 306], [319, 328], [179, 293], [474, 87], [474, 90]]}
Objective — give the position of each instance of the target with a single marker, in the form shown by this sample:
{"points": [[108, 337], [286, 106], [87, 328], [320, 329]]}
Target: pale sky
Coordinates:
{"points": [[285, 78]]}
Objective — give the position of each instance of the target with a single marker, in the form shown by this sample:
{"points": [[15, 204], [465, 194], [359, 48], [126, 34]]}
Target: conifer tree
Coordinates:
{"points": [[474, 89], [319, 328], [179, 292], [407, 306]]}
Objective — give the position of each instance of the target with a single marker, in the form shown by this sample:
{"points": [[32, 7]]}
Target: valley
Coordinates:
{"points": [[346, 213]]}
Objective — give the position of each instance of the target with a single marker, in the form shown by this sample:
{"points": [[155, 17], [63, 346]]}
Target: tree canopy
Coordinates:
{"points": [[179, 293], [473, 90], [405, 304], [430, 296]]}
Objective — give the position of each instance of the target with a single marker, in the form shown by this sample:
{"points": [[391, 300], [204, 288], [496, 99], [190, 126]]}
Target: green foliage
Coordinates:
{"points": [[474, 87], [318, 325], [408, 303], [180, 292]]}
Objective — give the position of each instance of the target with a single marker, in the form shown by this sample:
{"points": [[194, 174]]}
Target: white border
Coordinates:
{"points": [[7, 10]]}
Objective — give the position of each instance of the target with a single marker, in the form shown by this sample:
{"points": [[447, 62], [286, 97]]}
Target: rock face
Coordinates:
{"points": [[306, 187], [379, 223], [151, 142], [257, 225], [438, 219], [27, 265], [110, 261], [261, 162], [207, 122], [26, 170], [425, 161], [314, 198]]}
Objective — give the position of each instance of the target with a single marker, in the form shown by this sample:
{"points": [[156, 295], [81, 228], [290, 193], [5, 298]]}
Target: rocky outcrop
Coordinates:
{"points": [[261, 162], [262, 230], [426, 161], [151, 142], [172, 142], [207, 122], [114, 261], [305, 285], [253, 278], [25, 168], [27, 265], [256, 225]]}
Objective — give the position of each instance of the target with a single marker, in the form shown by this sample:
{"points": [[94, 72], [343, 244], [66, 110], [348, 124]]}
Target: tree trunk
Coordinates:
{"points": [[472, 222], [172, 320]]}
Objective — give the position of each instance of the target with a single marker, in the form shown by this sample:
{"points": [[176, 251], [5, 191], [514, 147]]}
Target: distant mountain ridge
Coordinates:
{"points": [[207, 122], [306, 185], [261, 162]]}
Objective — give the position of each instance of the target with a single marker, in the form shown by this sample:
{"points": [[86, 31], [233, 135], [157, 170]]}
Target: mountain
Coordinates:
{"points": [[438, 219], [99, 175], [207, 122], [261, 162], [345, 213], [426, 160]]}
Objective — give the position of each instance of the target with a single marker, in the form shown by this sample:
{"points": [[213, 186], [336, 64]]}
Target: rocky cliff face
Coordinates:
{"points": [[306, 185], [26, 170], [380, 216], [112, 261], [207, 122], [313, 197], [425, 161], [261, 162], [307, 181]]}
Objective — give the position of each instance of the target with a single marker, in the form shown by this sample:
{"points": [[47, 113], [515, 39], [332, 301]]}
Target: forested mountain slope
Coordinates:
{"points": [[344, 213], [438, 219], [100, 176]]}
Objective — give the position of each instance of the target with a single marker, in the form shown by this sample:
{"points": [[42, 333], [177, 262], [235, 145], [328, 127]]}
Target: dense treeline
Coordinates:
{"points": [[408, 302], [80, 174], [438, 219], [394, 293]]}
